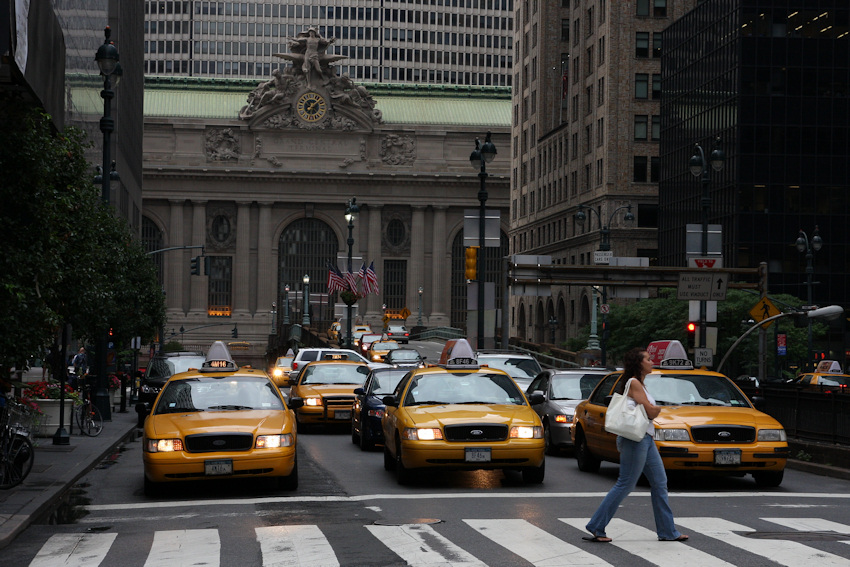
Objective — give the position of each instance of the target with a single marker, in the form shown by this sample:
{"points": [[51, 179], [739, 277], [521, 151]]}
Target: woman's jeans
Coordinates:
{"points": [[637, 457]]}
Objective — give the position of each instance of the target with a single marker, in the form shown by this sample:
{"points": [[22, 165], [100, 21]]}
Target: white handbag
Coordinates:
{"points": [[626, 421]]}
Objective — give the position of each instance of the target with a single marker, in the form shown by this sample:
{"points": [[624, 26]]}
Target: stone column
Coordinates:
{"points": [[266, 273], [416, 263], [177, 262], [373, 254], [199, 285], [439, 294], [242, 261]]}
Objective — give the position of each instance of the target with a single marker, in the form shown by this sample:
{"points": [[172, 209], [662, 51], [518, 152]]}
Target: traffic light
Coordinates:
{"points": [[692, 334], [206, 265], [234, 332], [195, 266], [472, 262]]}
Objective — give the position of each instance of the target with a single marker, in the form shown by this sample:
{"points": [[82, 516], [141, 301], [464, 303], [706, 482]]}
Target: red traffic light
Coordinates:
{"points": [[692, 327]]}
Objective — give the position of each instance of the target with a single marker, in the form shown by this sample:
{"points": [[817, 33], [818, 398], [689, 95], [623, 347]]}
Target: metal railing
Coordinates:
{"points": [[808, 414], [440, 333]]}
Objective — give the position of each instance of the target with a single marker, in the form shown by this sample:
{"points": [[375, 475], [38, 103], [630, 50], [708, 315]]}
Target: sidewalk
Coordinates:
{"points": [[56, 469]]}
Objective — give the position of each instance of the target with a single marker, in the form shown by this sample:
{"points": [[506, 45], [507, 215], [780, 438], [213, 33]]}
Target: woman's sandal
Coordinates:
{"points": [[680, 538], [598, 539]]}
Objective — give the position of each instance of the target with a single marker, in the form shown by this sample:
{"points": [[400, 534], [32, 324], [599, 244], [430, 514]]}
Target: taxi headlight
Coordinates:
{"points": [[672, 435], [772, 435], [312, 401], [273, 441], [376, 358], [526, 432], [277, 372], [428, 434], [164, 445]]}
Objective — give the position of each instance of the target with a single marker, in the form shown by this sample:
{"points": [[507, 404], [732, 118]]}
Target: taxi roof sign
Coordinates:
{"points": [[668, 354], [218, 359], [458, 353], [828, 366]]}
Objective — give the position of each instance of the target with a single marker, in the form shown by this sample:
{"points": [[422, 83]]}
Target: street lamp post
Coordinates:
{"points": [[419, 320], [700, 168], [286, 299], [351, 211], [305, 316], [273, 313], [480, 156], [809, 247], [593, 341]]}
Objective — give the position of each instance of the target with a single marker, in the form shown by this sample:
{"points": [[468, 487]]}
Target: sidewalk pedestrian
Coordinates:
{"points": [[637, 457], [80, 363]]}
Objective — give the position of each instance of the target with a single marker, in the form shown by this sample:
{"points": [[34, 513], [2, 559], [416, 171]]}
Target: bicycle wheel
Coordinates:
{"points": [[17, 462], [92, 422]]}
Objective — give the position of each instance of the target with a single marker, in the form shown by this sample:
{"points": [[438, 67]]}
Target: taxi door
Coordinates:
{"points": [[601, 443]]}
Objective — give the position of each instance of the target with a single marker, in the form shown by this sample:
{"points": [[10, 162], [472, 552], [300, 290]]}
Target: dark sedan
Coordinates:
{"points": [[405, 357], [369, 408]]}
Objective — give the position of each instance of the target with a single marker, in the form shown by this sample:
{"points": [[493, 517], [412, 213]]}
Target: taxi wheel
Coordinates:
{"points": [[389, 461], [355, 437], [403, 474], [770, 479], [547, 438], [365, 444], [289, 482], [152, 489], [534, 475], [586, 461]]}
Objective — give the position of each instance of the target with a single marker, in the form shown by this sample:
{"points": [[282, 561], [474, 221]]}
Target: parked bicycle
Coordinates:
{"points": [[16, 450], [87, 415]]}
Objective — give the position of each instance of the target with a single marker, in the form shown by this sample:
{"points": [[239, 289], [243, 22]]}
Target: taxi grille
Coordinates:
{"points": [[338, 402], [209, 442], [476, 432], [723, 434]]}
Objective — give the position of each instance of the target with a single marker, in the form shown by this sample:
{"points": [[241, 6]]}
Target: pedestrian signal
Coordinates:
{"points": [[472, 263], [234, 332]]}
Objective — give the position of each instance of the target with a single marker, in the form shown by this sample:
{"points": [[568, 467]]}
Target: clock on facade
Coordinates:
{"points": [[311, 107]]}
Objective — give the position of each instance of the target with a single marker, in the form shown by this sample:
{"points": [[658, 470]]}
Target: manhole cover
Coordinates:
{"points": [[405, 522]]}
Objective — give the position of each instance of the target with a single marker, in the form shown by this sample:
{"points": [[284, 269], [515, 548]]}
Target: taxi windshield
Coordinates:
{"points": [[334, 374], [401, 354], [694, 389], [208, 393], [463, 388], [384, 345], [573, 386], [384, 382], [517, 367]]}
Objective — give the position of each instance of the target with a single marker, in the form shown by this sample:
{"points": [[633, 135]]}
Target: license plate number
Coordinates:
{"points": [[220, 467], [727, 457], [477, 455], [342, 414]]}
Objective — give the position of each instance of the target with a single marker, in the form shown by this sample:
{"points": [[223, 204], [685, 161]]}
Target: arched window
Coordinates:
{"points": [[152, 239], [492, 262]]}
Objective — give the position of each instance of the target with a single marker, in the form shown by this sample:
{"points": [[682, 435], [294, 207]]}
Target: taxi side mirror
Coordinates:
{"points": [[295, 403], [758, 402], [390, 401], [536, 398], [359, 392]]}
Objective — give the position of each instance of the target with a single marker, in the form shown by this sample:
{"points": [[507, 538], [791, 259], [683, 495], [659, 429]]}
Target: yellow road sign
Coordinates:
{"points": [[764, 309]]}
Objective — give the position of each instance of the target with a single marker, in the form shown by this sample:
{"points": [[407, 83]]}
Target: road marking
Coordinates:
{"points": [[533, 544], [644, 543], [420, 545], [811, 525], [295, 545], [449, 496], [788, 553], [73, 550], [185, 547]]}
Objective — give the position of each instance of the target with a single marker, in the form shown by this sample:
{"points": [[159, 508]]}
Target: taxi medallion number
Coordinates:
{"points": [[219, 467], [727, 457], [477, 454], [342, 414]]}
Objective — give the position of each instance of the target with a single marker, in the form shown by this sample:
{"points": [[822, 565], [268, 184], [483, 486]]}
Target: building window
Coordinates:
{"points": [[655, 169], [656, 44], [565, 30], [152, 239], [601, 50], [641, 122], [600, 91], [642, 7], [656, 128], [642, 85], [656, 86], [396, 232], [640, 169], [659, 8], [220, 288], [395, 276], [642, 44]]}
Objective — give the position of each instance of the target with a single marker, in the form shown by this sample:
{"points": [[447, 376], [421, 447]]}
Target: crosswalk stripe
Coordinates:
{"points": [[811, 525], [421, 545], [179, 548], [73, 550], [644, 543], [788, 553], [285, 546], [533, 544]]}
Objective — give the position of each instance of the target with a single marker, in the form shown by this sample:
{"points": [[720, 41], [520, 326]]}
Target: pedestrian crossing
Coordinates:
{"points": [[518, 541]]}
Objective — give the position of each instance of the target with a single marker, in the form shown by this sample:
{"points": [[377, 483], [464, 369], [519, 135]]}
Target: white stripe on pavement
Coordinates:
{"points": [[285, 546], [644, 543], [533, 544], [420, 545], [184, 548], [811, 525], [788, 553], [73, 550]]}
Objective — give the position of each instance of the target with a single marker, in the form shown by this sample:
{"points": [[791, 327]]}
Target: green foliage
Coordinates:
{"points": [[173, 346], [66, 257]]}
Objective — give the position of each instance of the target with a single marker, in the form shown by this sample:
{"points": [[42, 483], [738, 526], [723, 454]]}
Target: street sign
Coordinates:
{"points": [[763, 310], [708, 262], [604, 308], [781, 346], [703, 357], [710, 286], [602, 256], [471, 224]]}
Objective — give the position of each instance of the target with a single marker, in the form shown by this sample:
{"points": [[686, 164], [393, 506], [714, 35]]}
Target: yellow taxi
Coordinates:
{"points": [[706, 423], [334, 331], [378, 349], [459, 415], [281, 369], [826, 378], [220, 421], [325, 391]]}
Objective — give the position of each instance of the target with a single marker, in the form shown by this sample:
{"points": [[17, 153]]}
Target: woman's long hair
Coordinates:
{"points": [[632, 362]]}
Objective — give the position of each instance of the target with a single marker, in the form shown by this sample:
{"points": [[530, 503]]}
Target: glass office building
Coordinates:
{"points": [[772, 81]]}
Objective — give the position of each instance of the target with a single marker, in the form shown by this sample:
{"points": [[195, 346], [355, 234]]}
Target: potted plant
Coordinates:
{"points": [[43, 397], [349, 297]]}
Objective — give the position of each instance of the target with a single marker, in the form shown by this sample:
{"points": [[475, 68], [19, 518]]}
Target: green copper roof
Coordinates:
{"points": [[184, 97]]}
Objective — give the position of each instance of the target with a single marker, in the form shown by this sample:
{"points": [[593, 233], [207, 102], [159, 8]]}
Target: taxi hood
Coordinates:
{"points": [[457, 414], [673, 416], [188, 423], [327, 390]]}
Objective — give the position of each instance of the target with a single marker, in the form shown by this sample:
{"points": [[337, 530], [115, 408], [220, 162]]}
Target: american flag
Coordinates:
{"points": [[370, 279], [335, 280], [351, 280]]}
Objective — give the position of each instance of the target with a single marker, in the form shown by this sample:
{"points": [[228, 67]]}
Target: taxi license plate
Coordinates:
{"points": [[727, 457], [477, 455], [220, 467], [342, 414]]}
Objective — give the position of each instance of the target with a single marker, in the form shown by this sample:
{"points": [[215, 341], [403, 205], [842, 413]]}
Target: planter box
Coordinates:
{"points": [[49, 419]]}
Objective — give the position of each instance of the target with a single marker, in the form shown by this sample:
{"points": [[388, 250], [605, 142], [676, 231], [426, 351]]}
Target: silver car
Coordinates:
{"points": [[522, 367], [562, 389]]}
